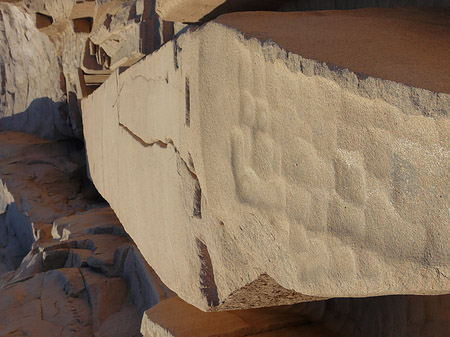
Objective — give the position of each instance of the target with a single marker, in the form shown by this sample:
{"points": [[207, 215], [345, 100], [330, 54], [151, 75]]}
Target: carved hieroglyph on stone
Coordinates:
{"points": [[332, 184]]}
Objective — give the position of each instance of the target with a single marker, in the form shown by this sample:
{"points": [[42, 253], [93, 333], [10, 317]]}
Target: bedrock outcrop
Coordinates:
{"points": [[30, 92], [257, 153], [67, 266], [205, 10], [53, 53]]}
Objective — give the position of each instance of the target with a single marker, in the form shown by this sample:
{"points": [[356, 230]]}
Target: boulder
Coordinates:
{"points": [[258, 153]]}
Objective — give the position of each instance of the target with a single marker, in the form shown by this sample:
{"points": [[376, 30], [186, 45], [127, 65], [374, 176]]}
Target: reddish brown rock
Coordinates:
{"points": [[75, 279]]}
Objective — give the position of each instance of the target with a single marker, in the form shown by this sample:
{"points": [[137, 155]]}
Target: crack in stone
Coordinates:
{"points": [[147, 79], [208, 284], [86, 286], [197, 208], [157, 142]]}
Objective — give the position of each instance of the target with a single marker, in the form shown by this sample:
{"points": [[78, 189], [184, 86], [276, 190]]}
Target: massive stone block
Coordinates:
{"points": [[387, 316], [227, 157], [204, 10]]}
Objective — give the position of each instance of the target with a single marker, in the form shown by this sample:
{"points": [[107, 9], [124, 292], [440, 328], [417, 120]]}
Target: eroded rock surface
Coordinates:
{"points": [[333, 183], [389, 316], [262, 163], [205, 10], [30, 93], [56, 52], [82, 275], [41, 180]]}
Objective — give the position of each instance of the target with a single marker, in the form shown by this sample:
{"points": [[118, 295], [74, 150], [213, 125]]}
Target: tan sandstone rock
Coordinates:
{"points": [[204, 10], [55, 52], [387, 316], [82, 275], [241, 158]]}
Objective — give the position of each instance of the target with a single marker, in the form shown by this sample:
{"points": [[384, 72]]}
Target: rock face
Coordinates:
{"points": [[30, 93], [84, 277], [74, 285], [56, 52], [270, 166], [40, 181], [389, 316], [81, 276], [332, 182], [204, 10]]}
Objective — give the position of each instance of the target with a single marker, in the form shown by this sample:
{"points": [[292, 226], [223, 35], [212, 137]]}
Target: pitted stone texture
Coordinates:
{"points": [[381, 43], [332, 184]]}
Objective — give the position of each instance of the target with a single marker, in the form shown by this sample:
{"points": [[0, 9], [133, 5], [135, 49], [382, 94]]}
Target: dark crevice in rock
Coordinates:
{"points": [[3, 78], [83, 25], [43, 20], [188, 102], [54, 259], [197, 200], [176, 49], [168, 31], [114, 230], [208, 284]]}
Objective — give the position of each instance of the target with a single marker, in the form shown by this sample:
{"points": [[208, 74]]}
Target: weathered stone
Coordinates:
{"points": [[390, 316], [41, 180], [101, 291], [56, 52], [48, 303], [54, 290], [30, 93], [204, 10], [331, 182], [108, 298]]}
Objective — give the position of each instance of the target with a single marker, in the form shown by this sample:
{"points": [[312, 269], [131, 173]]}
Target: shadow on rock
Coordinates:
{"points": [[47, 119]]}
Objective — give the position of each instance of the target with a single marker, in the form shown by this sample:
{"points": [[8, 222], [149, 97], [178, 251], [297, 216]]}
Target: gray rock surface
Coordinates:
{"points": [[30, 93], [53, 53]]}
